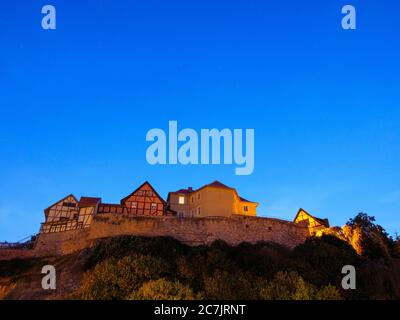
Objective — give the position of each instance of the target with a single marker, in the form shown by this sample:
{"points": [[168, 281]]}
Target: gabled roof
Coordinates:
{"points": [[214, 184], [217, 184], [49, 207], [244, 200], [324, 222], [183, 191], [144, 183], [88, 201]]}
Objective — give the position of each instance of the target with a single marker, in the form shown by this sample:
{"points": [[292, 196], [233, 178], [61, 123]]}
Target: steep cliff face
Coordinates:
{"points": [[6, 286], [21, 279]]}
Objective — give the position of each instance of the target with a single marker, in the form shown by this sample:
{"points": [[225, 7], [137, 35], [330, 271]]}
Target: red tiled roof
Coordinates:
{"points": [[244, 200], [185, 191], [88, 201], [144, 183], [215, 184]]}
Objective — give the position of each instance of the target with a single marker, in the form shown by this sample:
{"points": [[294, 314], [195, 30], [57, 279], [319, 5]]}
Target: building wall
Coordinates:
{"points": [[181, 209], [210, 201], [238, 207], [58, 243], [192, 231]]}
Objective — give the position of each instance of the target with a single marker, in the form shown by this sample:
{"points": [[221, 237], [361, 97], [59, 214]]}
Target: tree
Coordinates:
{"points": [[291, 286], [368, 238], [163, 289], [223, 285], [287, 286], [116, 279], [328, 292], [319, 260]]}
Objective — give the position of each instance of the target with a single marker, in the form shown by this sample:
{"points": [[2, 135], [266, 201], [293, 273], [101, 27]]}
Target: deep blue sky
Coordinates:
{"points": [[76, 103]]}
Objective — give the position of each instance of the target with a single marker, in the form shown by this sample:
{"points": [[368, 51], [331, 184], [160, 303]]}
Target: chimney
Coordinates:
{"points": [[190, 188]]}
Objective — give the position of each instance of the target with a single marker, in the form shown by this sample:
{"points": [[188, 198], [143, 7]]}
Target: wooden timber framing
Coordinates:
{"points": [[70, 214]]}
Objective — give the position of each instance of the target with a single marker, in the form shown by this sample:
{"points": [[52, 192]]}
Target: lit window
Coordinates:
{"points": [[134, 205], [181, 200], [153, 205], [245, 208]]}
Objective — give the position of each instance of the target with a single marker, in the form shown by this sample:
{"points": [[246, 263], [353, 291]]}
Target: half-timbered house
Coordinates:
{"points": [[314, 224], [71, 214], [61, 216]]}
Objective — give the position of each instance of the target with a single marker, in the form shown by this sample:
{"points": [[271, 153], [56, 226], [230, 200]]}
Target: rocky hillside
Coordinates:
{"points": [[163, 268]]}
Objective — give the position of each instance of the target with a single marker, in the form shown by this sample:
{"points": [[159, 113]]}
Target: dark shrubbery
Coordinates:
{"points": [[163, 268]]}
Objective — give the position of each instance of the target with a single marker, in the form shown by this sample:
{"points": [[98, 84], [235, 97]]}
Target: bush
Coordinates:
{"points": [[163, 289], [223, 285], [287, 286], [165, 248], [320, 260], [291, 286], [116, 279], [328, 292]]}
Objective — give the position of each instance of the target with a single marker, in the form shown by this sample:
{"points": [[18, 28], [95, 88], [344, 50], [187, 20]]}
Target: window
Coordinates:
{"points": [[245, 208], [180, 215], [69, 204], [192, 198], [198, 211], [181, 200], [153, 206], [150, 193], [198, 196], [140, 193], [134, 205]]}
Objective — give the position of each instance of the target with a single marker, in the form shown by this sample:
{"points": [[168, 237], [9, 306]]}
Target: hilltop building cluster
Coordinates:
{"points": [[211, 200]]}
